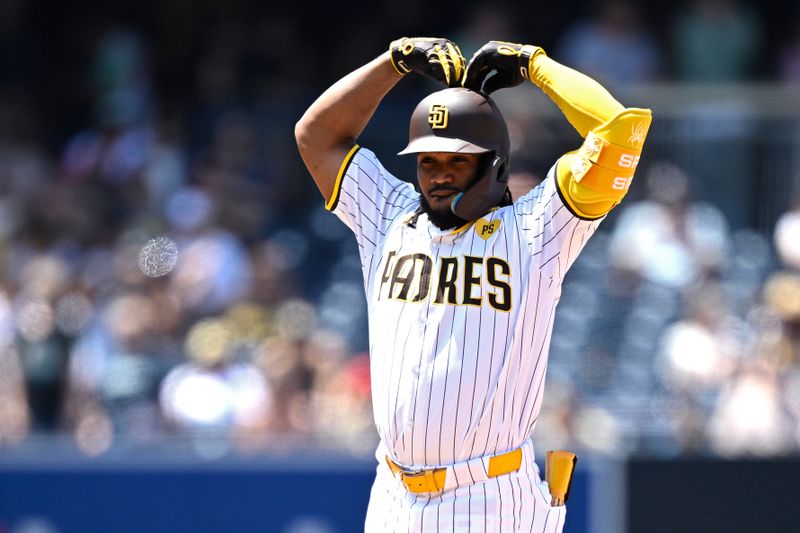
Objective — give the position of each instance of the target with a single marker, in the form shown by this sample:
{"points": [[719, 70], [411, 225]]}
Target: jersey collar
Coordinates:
{"points": [[439, 232]]}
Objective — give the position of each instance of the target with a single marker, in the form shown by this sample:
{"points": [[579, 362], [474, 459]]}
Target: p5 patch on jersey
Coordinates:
{"points": [[486, 229]]}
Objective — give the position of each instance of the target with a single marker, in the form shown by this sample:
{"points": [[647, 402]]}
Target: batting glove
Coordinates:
{"points": [[498, 65], [438, 59]]}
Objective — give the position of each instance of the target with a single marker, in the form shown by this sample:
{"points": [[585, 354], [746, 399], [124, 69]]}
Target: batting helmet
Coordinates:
{"points": [[459, 120]]}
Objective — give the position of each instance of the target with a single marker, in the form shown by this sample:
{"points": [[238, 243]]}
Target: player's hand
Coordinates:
{"points": [[438, 59], [498, 65]]}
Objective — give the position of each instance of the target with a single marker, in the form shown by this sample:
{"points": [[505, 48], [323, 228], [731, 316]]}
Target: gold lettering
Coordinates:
{"points": [[438, 116], [386, 269], [448, 273], [501, 302], [471, 279]]}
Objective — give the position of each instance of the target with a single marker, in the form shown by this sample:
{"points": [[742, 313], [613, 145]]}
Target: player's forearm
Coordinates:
{"points": [[585, 103], [331, 124]]}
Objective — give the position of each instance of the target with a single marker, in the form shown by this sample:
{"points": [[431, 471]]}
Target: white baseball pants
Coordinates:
{"points": [[519, 501]]}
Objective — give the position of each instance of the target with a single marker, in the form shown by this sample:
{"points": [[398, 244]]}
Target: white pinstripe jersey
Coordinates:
{"points": [[459, 320]]}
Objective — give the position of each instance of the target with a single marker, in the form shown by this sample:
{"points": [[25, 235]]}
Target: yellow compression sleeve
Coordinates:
{"points": [[593, 179], [584, 102]]}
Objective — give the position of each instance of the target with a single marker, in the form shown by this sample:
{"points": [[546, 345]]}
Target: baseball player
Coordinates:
{"points": [[462, 281]]}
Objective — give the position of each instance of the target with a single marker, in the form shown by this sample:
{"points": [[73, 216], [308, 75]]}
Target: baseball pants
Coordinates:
{"points": [[519, 501]]}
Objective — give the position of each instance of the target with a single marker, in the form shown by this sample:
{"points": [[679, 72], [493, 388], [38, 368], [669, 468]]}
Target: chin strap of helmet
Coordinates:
{"points": [[485, 193]]}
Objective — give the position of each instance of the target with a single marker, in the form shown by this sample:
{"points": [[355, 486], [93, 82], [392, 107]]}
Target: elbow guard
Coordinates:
{"points": [[596, 177]]}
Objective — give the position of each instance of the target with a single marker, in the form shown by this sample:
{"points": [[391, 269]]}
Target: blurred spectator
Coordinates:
{"points": [[787, 237], [279, 358], [214, 391], [213, 269], [613, 45], [699, 351], [43, 278], [777, 322], [716, 41], [234, 173], [213, 272], [554, 426], [343, 405], [24, 166], [165, 167], [115, 368], [114, 149], [105, 164], [720, 42], [749, 418], [14, 412], [667, 238], [322, 391]]}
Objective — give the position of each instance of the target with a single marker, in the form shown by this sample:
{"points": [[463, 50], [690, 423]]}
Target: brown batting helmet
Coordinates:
{"points": [[459, 120]]}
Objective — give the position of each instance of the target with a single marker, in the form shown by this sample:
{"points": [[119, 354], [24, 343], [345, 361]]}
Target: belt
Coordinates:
{"points": [[433, 480]]}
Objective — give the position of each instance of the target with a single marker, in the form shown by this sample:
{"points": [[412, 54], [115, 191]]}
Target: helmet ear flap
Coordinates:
{"points": [[486, 192], [501, 172]]}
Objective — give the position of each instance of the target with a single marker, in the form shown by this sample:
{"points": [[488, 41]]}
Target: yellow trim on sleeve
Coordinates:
{"points": [[330, 205]]}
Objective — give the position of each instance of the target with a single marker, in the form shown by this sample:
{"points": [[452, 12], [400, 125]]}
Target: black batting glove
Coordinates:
{"points": [[498, 65], [438, 59]]}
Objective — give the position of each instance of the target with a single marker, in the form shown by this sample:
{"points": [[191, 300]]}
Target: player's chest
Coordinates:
{"points": [[474, 267]]}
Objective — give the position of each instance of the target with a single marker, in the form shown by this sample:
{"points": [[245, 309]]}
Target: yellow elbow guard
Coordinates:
{"points": [[596, 177]]}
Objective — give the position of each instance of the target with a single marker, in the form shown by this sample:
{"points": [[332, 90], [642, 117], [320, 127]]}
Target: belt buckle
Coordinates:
{"points": [[422, 481]]}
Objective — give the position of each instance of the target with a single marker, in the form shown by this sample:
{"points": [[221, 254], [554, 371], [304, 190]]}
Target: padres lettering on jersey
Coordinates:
{"points": [[460, 320], [408, 278]]}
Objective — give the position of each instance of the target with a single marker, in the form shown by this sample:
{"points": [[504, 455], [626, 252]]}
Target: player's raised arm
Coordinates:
{"points": [[329, 128], [593, 179]]}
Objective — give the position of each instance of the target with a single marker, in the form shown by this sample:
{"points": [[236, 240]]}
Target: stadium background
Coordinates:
{"points": [[228, 390]]}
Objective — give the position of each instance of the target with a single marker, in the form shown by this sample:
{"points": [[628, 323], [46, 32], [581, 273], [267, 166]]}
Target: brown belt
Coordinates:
{"points": [[432, 480]]}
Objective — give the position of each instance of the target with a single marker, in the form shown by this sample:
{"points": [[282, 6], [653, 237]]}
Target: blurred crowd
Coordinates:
{"points": [[677, 334], [168, 271]]}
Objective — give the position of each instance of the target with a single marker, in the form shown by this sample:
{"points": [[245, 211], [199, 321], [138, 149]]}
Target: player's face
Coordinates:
{"points": [[442, 175]]}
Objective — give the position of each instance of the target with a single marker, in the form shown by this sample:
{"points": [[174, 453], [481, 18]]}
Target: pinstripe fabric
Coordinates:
{"points": [[517, 502], [460, 325]]}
